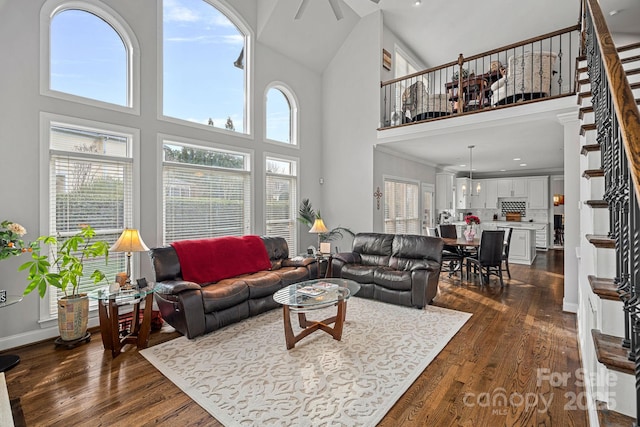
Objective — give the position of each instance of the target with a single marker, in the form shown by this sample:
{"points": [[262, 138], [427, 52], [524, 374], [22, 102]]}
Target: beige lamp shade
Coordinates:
{"points": [[318, 227], [129, 241]]}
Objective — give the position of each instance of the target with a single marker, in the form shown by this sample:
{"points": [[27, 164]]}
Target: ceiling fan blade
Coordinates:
{"points": [[301, 8], [336, 9]]}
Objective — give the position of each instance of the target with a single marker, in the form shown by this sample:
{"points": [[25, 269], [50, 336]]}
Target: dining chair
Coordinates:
{"points": [[505, 252], [489, 259], [453, 255]]}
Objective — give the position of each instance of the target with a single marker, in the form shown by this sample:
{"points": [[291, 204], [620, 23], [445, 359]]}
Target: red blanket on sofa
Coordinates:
{"points": [[214, 259]]}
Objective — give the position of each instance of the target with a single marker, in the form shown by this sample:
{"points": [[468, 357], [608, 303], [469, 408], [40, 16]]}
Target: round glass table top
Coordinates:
{"points": [[317, 293], [123, 295]]}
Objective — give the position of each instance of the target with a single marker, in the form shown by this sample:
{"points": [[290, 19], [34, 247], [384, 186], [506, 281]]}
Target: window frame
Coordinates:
{"points": [[294, 119], [163, 138], [238, 20], [47, 120], [119, 25], [400, 180], [293, 249]]}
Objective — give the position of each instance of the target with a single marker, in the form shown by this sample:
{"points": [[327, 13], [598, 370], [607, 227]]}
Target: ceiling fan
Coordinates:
{"points": [[335, 6]]}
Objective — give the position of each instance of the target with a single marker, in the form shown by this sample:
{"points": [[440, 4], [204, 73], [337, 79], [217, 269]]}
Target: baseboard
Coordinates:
{"points": [[569, 307], [31, 337]]}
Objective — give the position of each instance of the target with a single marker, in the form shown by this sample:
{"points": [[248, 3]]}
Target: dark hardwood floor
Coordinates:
{"points": [[513, 364]]}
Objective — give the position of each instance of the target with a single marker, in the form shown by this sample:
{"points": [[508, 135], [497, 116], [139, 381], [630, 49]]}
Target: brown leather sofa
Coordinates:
{"points": [[395, 268], [195, 309]]}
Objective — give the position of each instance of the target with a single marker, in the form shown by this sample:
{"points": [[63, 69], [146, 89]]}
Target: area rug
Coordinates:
{"points": [[243, 375]]}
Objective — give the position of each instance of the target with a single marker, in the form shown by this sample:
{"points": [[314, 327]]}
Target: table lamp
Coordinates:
{"points": [[318, 228], [129, 241]]}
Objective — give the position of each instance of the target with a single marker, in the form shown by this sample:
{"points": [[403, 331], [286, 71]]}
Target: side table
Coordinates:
{"points": [[8, 361], [108, 307]]}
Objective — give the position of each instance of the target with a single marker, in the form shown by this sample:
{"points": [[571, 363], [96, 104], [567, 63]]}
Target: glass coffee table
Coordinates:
{"points": [[8, 361], [312, 295]]}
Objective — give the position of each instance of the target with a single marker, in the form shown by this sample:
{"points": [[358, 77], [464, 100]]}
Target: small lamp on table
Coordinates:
{"points": [[129, 241], [318, 228]]}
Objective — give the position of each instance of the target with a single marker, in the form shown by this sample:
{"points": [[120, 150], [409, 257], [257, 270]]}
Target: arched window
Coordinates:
{"points": [[204, 64], [88, 58], [280, 116]]}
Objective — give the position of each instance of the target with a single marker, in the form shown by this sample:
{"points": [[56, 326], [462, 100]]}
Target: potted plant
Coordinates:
{"points": [[307, 215], [65, 272], [10, 239]]}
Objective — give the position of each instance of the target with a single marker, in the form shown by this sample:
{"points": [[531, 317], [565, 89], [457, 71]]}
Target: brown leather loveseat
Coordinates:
{"points": [[205, 284], [399, 269]]}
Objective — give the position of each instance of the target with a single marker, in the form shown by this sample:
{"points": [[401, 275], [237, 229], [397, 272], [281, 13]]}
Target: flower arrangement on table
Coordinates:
{"points": [[472, 219], [10, 242]]}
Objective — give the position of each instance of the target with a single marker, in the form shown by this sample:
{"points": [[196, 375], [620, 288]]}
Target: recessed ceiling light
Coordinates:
{"points": [[417, 2], [516, 158], [614, 12], [463, 166], [503, 170], [523, 164]]}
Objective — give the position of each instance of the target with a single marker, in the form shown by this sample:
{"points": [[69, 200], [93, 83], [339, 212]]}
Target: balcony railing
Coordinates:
{"points": [[537, 68]]}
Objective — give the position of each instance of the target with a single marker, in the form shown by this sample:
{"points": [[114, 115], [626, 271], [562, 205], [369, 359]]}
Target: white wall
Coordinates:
{"points": [[350, 119], [388, 164], [21, 105]]}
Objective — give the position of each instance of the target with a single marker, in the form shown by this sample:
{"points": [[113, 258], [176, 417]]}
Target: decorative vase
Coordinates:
{"points": [[73, 317], [470, 233]]}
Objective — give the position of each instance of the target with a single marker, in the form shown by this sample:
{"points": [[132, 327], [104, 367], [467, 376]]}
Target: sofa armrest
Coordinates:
{"points": [[298, 261], [174, 287], [348, 257]]}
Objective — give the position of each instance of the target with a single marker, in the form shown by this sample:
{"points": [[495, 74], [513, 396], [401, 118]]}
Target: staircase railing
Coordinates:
{"points": [[618, 132], [539, 67]]}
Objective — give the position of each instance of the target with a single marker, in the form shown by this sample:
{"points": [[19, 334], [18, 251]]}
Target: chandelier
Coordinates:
{"points": [[471, 188]]}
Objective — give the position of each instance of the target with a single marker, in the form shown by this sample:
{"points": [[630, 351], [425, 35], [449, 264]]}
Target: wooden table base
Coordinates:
{"points": [[312, 326], [110, 328]]}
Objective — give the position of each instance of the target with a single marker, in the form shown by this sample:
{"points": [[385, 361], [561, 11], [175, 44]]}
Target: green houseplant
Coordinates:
{"points": [[307, 215], [65, 272]]}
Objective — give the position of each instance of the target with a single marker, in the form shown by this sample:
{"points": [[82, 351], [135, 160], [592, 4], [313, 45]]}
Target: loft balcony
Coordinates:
{"points": [[534, 70]]}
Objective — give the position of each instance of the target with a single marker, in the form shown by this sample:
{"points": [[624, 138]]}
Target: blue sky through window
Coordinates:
{"points": [[200, 46], [88, 57]]}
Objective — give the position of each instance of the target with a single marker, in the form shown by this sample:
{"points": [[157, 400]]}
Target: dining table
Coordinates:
{"points": [[460, 244]]}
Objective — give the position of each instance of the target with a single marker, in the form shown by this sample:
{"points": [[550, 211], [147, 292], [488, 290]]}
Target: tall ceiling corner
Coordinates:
{"points": [[265, 12]]}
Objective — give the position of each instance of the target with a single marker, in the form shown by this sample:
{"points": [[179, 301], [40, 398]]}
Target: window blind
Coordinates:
{"points": [[281, 208], [401, 207], [205, 201]]}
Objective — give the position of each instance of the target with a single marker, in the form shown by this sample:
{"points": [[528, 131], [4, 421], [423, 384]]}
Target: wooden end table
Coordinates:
{"points": [[108, 307]]}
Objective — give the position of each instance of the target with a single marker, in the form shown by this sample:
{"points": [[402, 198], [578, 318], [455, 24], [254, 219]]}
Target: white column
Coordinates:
{"points": [[571, 208]]}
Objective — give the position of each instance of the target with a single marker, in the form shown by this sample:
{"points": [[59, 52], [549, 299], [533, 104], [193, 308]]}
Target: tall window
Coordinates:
{"points": [[280, 117], [90, 182], [281, 200], [401, 207], [204, 65], [88, 58], [207, 192]]}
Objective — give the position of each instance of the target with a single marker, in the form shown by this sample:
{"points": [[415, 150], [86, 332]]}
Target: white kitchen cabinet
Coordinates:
{"points": [[538, 193], [541, 237], [512, 187], [523, 246], [444, 191], [462, 189], [490, 190]]}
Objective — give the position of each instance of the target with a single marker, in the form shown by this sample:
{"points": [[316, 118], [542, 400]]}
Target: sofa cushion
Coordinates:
{"points": [[359, 273], [411, 252], [397, 280], [262, 283], [224, 294], [374, 248], [289, 275], [211, 260]]}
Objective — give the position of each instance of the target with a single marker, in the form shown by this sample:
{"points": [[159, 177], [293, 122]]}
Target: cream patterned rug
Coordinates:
{"points": [[243, 374]]}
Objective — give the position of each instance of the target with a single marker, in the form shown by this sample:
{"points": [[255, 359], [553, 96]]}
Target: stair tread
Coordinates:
{"points": [[597, 204], [609, 418], [587, 127], [610, 352], [588, 148], [630, 46], [600, 241], [630, 59], [593, 173], [603, 287], [632, 71]]}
